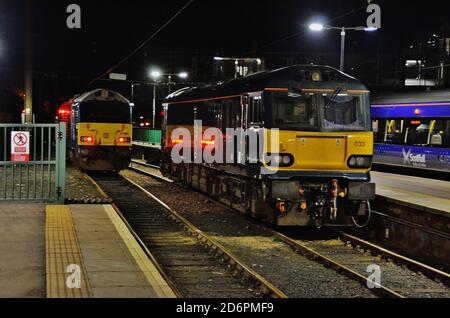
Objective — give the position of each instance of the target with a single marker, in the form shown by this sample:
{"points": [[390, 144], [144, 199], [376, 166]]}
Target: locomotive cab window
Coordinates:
{"points": [[343, 112], [105, 112], [294, 111]]}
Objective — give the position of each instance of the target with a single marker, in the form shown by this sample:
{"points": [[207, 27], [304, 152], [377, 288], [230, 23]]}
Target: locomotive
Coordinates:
{"points": [[315, 173], [99, 125]]}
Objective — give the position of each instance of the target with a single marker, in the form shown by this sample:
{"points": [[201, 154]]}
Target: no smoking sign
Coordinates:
{"points": [[20, 146]]}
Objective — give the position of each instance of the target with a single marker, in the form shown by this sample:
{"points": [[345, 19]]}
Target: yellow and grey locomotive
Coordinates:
{"points": [[316, 127]]}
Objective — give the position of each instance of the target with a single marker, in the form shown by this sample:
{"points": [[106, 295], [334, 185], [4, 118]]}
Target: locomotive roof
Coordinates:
{"points": [[412, 97], [102, 95], [288, 77]]}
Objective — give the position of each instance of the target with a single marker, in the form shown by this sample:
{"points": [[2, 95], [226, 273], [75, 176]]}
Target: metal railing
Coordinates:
{"points": [[42, 178]]}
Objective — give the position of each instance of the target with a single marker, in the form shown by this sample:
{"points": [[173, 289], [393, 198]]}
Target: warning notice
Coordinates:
{"points": [[20, 146]]}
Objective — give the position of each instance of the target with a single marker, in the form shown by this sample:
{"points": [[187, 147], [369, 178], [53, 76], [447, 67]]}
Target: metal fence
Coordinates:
{"points": [[42, 178]]}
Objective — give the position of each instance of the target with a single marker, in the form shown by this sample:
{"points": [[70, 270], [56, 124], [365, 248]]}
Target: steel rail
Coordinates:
{"points": [[138, 239], [356, 242], [398, 259], [267, 288]]}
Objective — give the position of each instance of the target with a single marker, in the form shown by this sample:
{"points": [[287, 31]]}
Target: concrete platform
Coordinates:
{"points": [[431, 194], [22, 250], [92, 254]]}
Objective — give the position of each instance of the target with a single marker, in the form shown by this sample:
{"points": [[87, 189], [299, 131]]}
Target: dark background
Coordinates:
{"points": [[66, 61]]}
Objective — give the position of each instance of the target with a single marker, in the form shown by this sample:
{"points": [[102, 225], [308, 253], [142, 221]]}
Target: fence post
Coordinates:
{"points": [[61, 162]]}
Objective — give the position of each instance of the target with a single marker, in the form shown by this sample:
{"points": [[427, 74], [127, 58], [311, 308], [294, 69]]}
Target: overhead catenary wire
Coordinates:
{"points": [[143, 44], [352, 11]]}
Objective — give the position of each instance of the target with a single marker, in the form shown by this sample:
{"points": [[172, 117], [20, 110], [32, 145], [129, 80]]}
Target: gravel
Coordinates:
{"points": [[295, 275], [79, 190]]}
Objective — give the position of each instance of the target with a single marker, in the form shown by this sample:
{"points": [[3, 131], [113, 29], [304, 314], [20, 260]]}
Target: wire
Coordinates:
{"points": [[299, 33], [143, 43]]}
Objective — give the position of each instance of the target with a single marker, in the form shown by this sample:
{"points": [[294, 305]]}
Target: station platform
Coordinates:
{"points": [[22, 250], [430, 194], [77, 251]]}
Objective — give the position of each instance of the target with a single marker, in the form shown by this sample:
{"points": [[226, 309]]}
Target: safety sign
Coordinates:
{"points": [[20, 146]]}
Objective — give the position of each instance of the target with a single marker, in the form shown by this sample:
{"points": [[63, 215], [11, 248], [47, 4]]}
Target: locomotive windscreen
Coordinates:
{"points": [[343, 113], [319, 112], [294, 112], [105, 112]]}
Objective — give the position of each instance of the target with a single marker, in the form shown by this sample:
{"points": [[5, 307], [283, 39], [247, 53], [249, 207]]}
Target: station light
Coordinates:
{"points": [[155, 74], [317, 27], [370, 29], [218, 58], [183, 75]]}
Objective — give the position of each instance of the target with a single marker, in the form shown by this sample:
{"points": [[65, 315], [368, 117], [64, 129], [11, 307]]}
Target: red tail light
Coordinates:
{"points": [[176, 141], [208, 142], [87, 139]]}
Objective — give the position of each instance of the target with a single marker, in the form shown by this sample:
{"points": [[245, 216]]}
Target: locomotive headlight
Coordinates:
{"points": [[280, 160], [360, 162], [286, 160]]}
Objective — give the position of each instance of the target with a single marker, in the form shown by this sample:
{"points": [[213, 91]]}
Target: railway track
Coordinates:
{"points": [[352, 256], [195, 264]]}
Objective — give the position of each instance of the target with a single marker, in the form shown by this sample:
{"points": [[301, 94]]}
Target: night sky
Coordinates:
{"points": [[111, 29]]}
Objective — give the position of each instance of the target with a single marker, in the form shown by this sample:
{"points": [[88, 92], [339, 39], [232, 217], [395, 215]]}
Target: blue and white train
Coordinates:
{"points": [[413, 130]]}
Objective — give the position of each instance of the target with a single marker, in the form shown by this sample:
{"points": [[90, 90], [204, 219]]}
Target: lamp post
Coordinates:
{"points": [[317, 27], [156, 75]]}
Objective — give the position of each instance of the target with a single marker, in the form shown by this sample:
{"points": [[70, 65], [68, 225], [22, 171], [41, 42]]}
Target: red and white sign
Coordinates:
{"points": [[20, 146]]}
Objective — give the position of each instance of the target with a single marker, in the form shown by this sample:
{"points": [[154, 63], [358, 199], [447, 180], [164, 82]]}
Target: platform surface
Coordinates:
{"points": [[22, 250], [430, 193], [92, 254]]}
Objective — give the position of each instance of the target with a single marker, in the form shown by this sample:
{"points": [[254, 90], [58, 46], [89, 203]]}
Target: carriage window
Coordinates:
{"points": [[231, 113], [180, 114], [394, 132], [439, 133], [207, 113]]}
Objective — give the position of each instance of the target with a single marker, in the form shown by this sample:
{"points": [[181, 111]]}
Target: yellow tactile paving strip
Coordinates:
{"points": [[62, 251], [112, 264], [155, 279]]}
